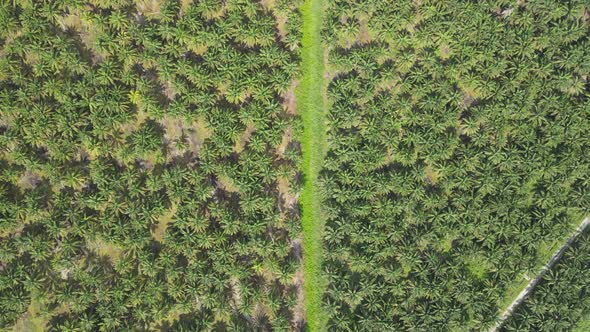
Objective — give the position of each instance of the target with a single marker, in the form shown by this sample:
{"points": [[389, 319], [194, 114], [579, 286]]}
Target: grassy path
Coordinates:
{"points": [[310, 102]]}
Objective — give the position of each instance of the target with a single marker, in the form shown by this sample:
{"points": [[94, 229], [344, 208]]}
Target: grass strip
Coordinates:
{"points": [[310, 101]]}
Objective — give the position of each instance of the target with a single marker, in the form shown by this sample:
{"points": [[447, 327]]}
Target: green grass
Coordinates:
{"points": [[584, 324], [310, 102]]}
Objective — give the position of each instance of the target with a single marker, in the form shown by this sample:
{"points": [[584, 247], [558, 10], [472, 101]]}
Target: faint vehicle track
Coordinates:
{"points": [[531, 285]]}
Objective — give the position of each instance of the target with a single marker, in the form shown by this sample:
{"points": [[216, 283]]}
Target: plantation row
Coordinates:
{"points": [[560, 301], [459, 156], [148, 174]]}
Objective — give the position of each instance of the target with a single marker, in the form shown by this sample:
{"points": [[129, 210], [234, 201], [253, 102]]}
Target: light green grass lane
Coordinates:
{"points": [[310, 102]]}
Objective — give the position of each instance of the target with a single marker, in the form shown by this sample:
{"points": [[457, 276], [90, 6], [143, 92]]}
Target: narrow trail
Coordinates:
{"points": [[310, 102], [531, 285]]}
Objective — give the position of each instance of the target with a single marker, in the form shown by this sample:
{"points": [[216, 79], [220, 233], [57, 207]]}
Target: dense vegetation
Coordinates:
{"points": [[459, 155], [148, 175], [560, 301], [150, 164]]}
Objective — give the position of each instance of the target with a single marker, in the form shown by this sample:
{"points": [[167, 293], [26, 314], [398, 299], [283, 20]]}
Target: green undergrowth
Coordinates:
{"points": [[583, 325], [311, 104]]}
